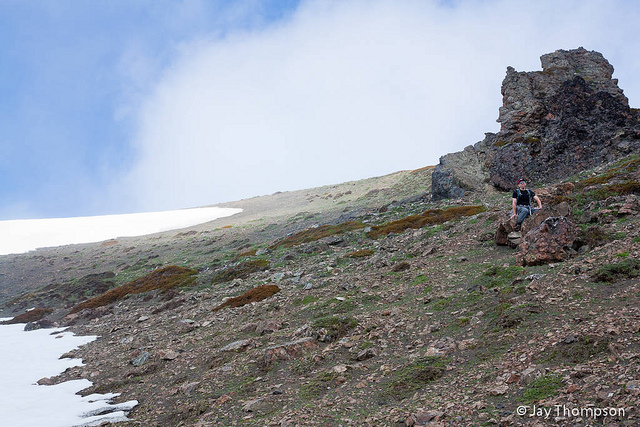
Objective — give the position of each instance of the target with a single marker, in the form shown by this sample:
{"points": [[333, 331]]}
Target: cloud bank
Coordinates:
{"points": [[347, 90]]}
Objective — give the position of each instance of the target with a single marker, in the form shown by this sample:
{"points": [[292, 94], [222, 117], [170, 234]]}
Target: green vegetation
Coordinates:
{"points": [[413, 376], [318, 385], [578, 351], [541, 388], [418, 280], [308, 299], [498, 276], [626, 269]]}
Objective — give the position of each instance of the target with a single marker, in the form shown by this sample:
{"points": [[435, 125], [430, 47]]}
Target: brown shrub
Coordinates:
{"points": [[251, 252], [29, 316], [240, 271], [359, 254], [253, 295], [313, 234], [430, 217], [162, 279]]}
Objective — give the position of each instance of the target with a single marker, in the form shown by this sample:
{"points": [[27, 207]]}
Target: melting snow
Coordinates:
{"points": [[30, 356]]}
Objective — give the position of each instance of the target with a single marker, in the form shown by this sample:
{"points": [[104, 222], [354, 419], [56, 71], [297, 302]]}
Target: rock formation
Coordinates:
{"points": [[570, 116]]}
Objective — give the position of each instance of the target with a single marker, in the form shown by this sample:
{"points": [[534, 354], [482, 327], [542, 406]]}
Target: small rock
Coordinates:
{"points": [[267, 327], [287, 351], [189, 388], [633, 386], [238, 346], [499, 390], [253, 405], [169, 355], [223, 399], [401, 266], [365, 354], [277, 277], [141, 359]]}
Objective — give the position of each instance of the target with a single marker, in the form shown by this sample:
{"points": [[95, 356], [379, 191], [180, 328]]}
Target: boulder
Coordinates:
{"points": [[506, 235], [551, 241]]}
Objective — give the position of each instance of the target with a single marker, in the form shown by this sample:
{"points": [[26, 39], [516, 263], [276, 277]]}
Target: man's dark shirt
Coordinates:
{"points": [[524, 197]]}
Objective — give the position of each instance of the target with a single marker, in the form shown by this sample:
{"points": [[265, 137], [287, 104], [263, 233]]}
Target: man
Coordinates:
{"points": [[521, 203]]}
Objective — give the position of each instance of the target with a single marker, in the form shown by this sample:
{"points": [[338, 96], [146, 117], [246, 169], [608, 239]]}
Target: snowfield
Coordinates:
{"points": [[24, 235]]}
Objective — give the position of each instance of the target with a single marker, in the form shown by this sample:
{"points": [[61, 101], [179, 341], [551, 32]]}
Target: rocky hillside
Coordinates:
{"points": [[340, 306]]}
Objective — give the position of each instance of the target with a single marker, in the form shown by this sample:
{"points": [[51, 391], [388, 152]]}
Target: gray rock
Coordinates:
{"points": [[238, 346], [141, 359]]}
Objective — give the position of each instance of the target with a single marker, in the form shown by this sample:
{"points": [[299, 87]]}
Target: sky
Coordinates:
{"points": [[123, 106], [30, 356]]}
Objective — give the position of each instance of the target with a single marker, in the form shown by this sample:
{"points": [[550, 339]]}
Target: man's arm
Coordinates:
{"points": [[514, 203], [537, 199]]}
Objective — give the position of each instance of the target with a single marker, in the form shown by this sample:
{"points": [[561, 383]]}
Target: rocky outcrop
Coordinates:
{"points": [[551, 241], [570, 116], [506, 235]]}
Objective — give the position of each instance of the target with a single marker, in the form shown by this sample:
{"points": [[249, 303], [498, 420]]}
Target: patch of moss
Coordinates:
{"points": [[252, 295], [413, 376], [579, 350], [360, 254], [594, 236], [541, 388], [336, 326], [334, 306], [625, 269], [306, 300], [318, 386], [628, 165], [162, 279], [240, 271], [430, 217], [419, 279], [313, 234], [498, 276], [29, 316], [618, 189]]}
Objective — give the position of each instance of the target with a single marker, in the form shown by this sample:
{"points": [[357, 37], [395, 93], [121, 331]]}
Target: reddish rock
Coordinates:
{"points": [[552, 241], [287, 351]]}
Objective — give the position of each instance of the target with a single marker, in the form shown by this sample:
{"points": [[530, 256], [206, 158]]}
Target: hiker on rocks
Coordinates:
{"points": [[522, 203]]}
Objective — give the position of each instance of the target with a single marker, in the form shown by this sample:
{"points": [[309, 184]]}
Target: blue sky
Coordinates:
{"points": [[125, 106]]}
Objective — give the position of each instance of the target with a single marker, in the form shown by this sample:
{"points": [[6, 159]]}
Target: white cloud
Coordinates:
{"points": [[347, 90]]}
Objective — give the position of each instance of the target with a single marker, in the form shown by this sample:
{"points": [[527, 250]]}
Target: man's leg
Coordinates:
{"points": [[523, 213]]}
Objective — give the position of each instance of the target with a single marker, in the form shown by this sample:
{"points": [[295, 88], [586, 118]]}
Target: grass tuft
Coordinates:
{"points": [[543, 387], [626, 269]]}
